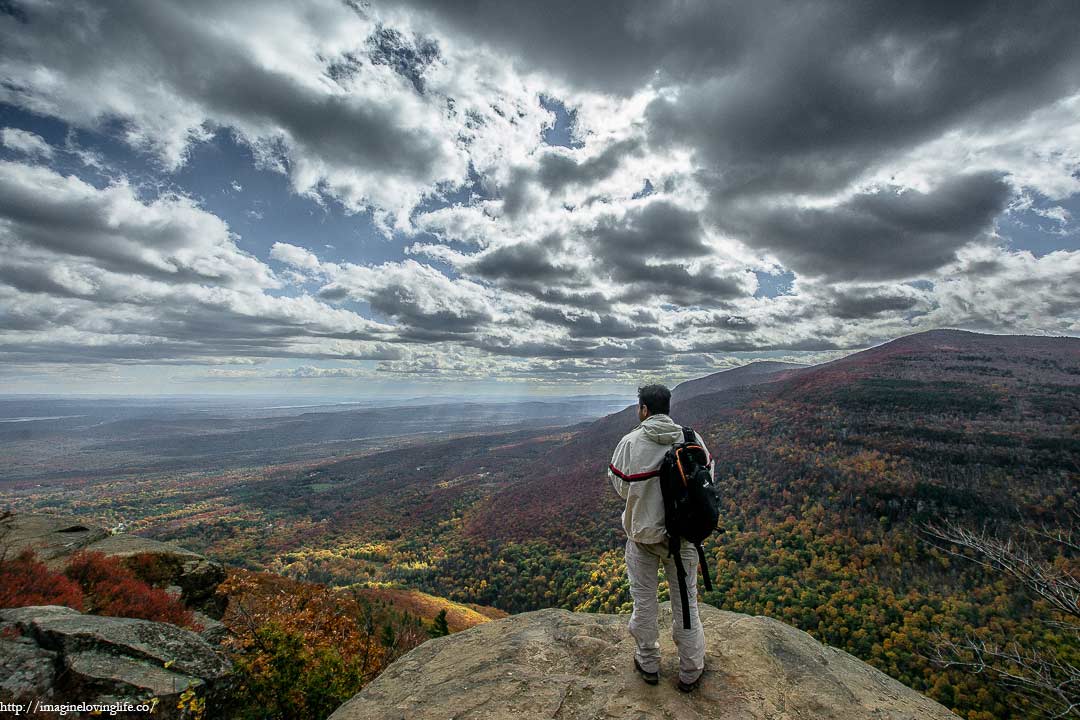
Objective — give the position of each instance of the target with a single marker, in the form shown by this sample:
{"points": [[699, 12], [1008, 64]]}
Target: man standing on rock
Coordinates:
{"points": [[637, 457]]}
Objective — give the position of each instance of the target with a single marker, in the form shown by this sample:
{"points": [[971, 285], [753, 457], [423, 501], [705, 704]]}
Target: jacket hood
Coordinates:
{"points": [[661, 429]]}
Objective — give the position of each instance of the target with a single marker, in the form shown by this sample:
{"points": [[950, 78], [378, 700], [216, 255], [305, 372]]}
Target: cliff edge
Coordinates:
{"points": [[559, 664]]}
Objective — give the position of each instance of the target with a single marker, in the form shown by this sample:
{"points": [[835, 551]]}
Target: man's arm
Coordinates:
{"points": [[618, 459]]}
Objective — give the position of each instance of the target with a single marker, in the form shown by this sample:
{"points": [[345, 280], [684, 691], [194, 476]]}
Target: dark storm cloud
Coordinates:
{"points": [[528, 262], [607, 45], [658, 229], [557, 170], [584, 299], [532, 268], [590, 326], [333, 293], [891, 233], [675, 282], [835, 87], [717, 321], [855, 306], [33, 279], [647, 253], [400, 303]]}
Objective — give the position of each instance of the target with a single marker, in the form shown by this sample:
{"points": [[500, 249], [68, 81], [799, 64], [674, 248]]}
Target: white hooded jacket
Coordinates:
{"points": [[640, 451]]}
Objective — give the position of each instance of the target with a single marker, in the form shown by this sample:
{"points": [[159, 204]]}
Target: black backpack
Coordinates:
{"points": [[691, 506]]}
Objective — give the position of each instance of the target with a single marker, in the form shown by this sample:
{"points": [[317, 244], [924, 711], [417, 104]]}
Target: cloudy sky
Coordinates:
{"points": [[341, 196]]}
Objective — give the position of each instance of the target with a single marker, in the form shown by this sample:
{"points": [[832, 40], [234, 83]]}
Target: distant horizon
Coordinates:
{"points": [[476, 389]]}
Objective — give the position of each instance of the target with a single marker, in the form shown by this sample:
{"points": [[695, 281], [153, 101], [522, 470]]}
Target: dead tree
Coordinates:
{"points": [[1051, 684]]}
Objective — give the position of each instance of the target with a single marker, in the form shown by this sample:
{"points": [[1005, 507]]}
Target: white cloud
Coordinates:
{"points": [[44, 214], [298, 84], [25, 142]]}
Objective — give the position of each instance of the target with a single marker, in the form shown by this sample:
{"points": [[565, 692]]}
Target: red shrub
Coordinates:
{"points": [[114, 590], [25, 580]]}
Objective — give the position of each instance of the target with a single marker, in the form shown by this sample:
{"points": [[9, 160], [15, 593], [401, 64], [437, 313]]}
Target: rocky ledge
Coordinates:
{"points": [[559, 664], [56, 653]]}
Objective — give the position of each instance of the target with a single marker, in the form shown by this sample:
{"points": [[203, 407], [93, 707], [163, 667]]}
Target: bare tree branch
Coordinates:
{"points": [[1051, 684], [1055, 584]]}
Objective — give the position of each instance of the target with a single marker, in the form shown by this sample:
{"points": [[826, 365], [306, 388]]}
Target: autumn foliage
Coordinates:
{"points": [[25, 580], [302, 649], [112, 589]]}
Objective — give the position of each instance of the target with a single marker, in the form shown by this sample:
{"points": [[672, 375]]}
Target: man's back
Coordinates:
{"points": [[640, 451]]}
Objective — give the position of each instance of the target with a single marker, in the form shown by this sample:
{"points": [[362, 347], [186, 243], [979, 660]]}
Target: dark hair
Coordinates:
{"points": [[655, 397]]}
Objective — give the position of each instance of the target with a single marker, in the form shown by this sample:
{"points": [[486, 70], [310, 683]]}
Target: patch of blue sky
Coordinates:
{"points": [[259, 204], [774, 285], [1038, 230], [646, 190], [221, 175], [561, 133]]}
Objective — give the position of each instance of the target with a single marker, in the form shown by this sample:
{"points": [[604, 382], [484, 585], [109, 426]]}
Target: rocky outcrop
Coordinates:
{"points": [[559, 664], [54, 538], [53, 652], [196, 576]]}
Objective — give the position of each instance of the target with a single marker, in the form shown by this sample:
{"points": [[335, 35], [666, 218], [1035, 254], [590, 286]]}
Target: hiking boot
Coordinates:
{"points": [[688, 687], [650, 677]]}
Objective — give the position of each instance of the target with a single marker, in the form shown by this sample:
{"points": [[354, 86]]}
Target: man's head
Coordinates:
{"points": [[653, 400]]}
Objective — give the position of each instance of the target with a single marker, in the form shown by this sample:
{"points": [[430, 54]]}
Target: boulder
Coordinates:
{"points": [[560, 664], [64, 655]]}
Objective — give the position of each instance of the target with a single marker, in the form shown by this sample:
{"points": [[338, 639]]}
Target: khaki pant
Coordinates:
{"points": [[643, 562]]}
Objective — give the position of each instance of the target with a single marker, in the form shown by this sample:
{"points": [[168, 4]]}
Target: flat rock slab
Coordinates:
{"points": [[124, 545], [56, 653], [119, 676], [25, 668], [53, 537], [579, 666], [141, 639]]}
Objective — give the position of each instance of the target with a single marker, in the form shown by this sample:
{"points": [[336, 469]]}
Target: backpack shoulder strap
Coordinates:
{"points": [[688, 435]]}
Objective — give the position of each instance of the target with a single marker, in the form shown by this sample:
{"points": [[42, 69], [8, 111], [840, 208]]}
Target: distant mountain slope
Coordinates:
{"points": [[569, 479], [751, 374], [946, 378]]}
